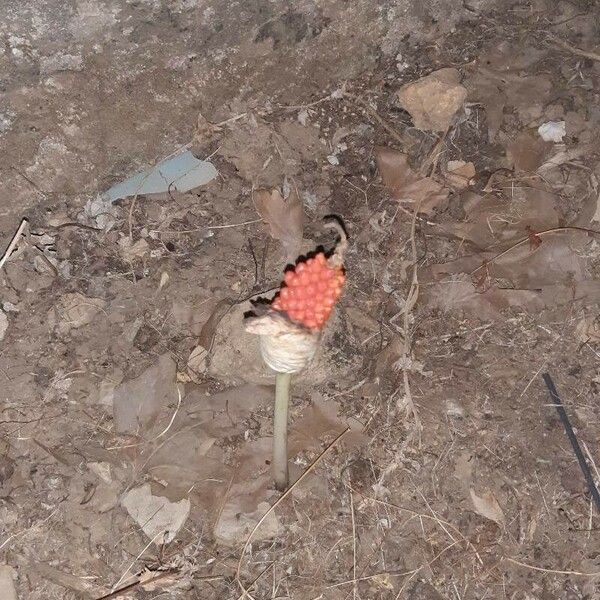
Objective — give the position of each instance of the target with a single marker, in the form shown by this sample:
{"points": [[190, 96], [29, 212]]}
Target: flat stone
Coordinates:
{"points": [[434, 100]]}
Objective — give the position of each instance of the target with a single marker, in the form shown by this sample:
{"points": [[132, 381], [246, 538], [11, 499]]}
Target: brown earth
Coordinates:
{"points": [[127, 376]]}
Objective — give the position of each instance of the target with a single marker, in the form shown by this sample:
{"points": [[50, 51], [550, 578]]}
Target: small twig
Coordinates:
{"points": [[409, 303], [573, 439], [166, 429], [253, 582], [75, 225], [355, 581], [13, 242], [526, 239], [206, 227], [309, 105], [131, 209], [374, 576], [310, 469], [573, 49], [555, 571], [130, 586]]}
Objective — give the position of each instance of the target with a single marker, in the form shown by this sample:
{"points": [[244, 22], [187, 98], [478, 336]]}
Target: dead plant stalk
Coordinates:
{"points": [[409, 304]]}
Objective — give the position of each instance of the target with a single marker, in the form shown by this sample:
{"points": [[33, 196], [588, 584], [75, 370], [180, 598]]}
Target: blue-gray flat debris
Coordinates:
{"points": [[181, 173]]}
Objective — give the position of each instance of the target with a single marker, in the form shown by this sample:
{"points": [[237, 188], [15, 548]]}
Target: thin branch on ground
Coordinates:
{"points": [[13, 242], [573, 49]]}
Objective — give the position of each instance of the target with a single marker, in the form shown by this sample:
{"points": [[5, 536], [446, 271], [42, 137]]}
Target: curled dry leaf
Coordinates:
{"points": [[284, 217], [487, 506], [588, 330], [405, 185]]}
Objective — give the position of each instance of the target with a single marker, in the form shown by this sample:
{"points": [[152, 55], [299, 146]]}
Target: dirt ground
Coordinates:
{"points": [[135, 409]]}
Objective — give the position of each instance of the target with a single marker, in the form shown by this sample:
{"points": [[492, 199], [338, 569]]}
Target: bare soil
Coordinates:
{"points": [[124, 358]]}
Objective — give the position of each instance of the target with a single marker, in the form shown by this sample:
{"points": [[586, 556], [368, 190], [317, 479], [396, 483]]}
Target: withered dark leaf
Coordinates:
{"points": [[423, 193], [285, 218]]}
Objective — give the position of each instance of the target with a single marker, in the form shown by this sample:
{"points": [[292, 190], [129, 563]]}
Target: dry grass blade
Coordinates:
{"points": [[555, 571], [355, 582]]}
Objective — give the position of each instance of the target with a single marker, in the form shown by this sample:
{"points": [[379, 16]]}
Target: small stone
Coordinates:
{"points": [[7, 583], [434, 100]]}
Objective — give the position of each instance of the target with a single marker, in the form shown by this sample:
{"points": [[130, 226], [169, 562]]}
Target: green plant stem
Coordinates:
{"points": [[280, 459]]}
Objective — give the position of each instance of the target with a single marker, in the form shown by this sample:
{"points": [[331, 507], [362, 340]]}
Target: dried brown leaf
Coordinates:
{"points": [[284, 217], [498, 83], [528, 152], [434, 100], [205, 131], [487, 506], [588, 330], [209, 329], [405, 185]]}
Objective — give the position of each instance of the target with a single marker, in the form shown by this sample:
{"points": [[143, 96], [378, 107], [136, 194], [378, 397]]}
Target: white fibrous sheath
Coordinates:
{"points": [[285, 346]]}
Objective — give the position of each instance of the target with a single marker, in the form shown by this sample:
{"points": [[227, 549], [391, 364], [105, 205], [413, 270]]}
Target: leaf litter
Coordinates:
{"points": [[405, 185], [489, 244]]}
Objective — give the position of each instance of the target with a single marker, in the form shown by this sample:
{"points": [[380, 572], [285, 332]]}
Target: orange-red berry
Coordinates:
{"points": [[309, 291]]}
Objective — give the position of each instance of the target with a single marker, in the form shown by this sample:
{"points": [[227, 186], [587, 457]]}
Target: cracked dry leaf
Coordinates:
{"points": [[405, 185], [487, 506], [284, 217]]}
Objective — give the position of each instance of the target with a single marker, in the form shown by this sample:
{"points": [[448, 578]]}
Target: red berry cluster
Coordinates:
{"points": [[309, 292]]}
